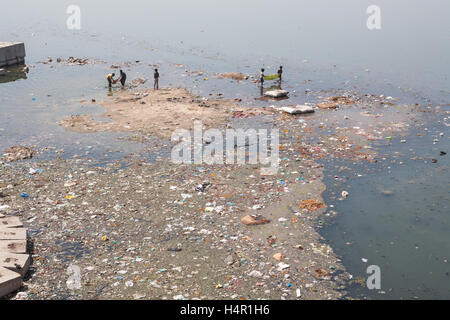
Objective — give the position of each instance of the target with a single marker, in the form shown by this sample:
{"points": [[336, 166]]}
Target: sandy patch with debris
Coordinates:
{"points": [[157, 112]]}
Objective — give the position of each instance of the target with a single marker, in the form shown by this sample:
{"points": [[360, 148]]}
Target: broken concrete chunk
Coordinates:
{"points": [[10, 281], [15, 262], [299, 109]]}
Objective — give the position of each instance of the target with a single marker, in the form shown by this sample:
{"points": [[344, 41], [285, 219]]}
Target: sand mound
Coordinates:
{"points": [[154, 112]]}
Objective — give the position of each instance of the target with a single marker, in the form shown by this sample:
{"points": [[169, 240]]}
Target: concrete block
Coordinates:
{"points": [[10, 281], [15, 262], [13, 246], [10, 222], [12, 53], [299, 109], [276, 93], [13, 234]]}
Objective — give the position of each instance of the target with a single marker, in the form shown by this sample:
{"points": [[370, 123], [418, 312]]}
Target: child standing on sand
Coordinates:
{"points": [[156, 77], [123, 78], [261, 77]]}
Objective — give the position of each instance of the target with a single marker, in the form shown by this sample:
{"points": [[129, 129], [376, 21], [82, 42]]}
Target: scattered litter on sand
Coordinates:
{"points": [[71, 61], [142, 230], [335, 102]]}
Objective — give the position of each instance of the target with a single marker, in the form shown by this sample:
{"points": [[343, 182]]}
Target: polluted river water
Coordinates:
{"points": [[397, 213]]}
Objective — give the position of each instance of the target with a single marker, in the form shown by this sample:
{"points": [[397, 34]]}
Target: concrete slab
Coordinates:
{"points": [[13, 233], [15, 262], [276, 93], [10, 222], [299, 109], [10, 281], [12, 53], [13, 246]]}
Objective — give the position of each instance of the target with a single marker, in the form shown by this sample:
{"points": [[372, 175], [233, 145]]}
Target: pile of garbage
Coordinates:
{"points": [[17, 153], [234, 76]]}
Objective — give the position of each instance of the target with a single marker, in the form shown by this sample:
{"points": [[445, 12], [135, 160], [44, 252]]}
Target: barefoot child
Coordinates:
{"points": [[123, 78], [156, 77], [110, 78]]}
